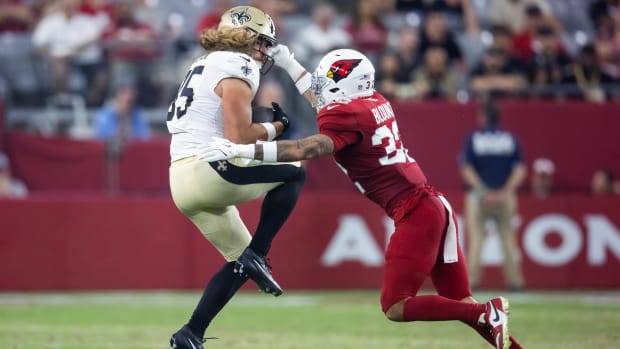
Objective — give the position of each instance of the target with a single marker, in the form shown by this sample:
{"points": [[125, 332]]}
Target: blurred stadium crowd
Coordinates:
{"points": [[74, 56]]}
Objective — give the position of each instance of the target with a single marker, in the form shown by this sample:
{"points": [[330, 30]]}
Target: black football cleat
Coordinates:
{"points": [[257, 269], [185, 339]]}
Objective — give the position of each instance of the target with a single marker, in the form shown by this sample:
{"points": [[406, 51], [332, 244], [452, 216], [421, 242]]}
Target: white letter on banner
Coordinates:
{"points": [[534, 240], [602, 234], [353, 241]]}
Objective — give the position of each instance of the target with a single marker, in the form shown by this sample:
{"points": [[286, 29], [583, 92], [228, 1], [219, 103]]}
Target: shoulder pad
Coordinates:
{"points": [[337, 118], [235, 65]]}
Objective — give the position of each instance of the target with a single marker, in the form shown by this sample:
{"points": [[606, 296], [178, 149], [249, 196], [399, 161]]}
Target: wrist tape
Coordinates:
{"points": [[270, 151], [271, 130]]}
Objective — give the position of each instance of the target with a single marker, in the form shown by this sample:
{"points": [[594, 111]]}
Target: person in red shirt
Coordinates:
{"points": [[359, 128], [211, 18], [133, 50], [367, 30]]}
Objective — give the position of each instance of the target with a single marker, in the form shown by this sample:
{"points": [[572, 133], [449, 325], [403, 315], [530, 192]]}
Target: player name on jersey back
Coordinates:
{"points": [[383, 112]]}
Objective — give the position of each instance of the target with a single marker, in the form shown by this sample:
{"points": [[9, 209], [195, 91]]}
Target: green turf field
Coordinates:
{"points": [[296, 320]]}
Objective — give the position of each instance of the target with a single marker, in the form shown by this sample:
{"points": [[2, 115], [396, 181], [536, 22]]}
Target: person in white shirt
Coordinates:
{"points": [[321, 36], [70, 39], [214, 100]]}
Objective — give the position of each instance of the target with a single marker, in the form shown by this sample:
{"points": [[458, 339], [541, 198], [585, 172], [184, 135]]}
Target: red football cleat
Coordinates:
{"points": [[496, 316]]}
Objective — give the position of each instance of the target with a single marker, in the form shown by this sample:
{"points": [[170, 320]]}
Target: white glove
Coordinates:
{"points": [[285, 59], [219, 149]]}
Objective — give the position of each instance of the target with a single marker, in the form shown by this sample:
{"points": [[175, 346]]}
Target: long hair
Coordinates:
{"points": [[228, 39]]}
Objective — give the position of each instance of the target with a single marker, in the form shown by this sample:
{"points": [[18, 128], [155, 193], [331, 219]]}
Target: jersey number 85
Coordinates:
{"points": [[185, 96]]}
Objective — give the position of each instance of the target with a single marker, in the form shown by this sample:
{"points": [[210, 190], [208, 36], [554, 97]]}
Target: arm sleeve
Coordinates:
{"points": [[341, 139], [340, 127]]}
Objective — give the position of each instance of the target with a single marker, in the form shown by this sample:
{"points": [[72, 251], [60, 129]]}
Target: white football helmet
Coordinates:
{"points": [[342, 75]]}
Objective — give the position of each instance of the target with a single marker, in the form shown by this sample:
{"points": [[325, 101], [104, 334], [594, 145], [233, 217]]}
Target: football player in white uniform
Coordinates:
{"points": [[214, 100]]}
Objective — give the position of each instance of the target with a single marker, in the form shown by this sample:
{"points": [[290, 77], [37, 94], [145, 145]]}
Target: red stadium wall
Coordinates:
{"points": [[330, 241], [579, 137]]}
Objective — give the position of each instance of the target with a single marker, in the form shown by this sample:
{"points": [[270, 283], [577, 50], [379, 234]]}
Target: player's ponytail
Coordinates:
{"points": [[227, 39]]}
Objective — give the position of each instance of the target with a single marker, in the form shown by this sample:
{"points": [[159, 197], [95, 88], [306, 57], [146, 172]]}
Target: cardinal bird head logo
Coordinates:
{"points": [[341, 69]]}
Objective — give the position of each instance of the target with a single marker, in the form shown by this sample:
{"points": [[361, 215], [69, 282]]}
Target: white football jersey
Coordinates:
{"points": [[195, 116]]}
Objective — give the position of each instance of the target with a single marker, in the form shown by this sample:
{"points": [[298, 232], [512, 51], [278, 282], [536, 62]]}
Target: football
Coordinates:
{"points": [[262, 114]]}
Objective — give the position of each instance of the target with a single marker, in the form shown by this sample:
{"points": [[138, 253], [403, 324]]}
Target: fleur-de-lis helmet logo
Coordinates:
{"points": [[241, 17]]}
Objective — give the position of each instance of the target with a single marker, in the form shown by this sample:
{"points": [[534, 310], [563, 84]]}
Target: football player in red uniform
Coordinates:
{"points": [[358, 126]]}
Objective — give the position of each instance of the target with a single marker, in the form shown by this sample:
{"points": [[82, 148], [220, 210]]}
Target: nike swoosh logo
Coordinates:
{"points": [[496, 319], [330, 107], [246, 59]]}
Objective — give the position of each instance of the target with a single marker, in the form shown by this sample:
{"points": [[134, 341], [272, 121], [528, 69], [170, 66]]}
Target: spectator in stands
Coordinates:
{"points": [[524, 41], [211, 18], [492, 168], [367, 30], [608, 52], [587, 77], [101, 10], [10, 187], [121, 119], [514, 13], [604, 183], [605, 16], [434, 79], [134, 49], [386, 76], [312, 42], [71, 41], [15, 16], [424, 6], [435, 32], [16, 20], [496, 76], [548, 64], [396, 65], [278, 10], [407, 52], [503, 39], [542, 180]]}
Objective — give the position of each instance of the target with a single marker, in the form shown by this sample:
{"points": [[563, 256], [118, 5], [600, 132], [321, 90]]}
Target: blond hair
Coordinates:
{"points": [[228, 39]]}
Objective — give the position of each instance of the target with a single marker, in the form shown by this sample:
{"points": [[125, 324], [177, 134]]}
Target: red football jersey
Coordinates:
{"points": [[369, 149]]}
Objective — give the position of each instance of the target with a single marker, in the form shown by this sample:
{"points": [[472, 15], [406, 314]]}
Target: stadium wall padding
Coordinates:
{"points": [[331, 241]]}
